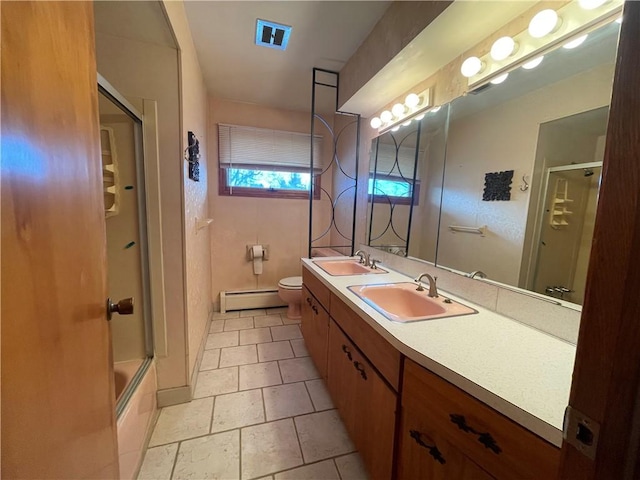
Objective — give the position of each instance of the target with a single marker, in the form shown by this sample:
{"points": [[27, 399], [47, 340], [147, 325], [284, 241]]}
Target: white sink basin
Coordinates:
{"points": [[346, 267]]}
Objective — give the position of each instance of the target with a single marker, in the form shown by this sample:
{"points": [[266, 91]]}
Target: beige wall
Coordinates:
{"points": [[240, 221], [503, 138], [194, 110]]}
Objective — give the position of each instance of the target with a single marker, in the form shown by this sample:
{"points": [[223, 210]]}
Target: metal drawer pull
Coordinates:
{"points": [[433, 450], [360, 368], [308, 300], [484, 438], [315, 309], [346, 350]]}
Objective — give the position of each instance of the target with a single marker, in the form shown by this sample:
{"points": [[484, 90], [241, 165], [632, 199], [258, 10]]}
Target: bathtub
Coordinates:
{"points": [[138, 416]]}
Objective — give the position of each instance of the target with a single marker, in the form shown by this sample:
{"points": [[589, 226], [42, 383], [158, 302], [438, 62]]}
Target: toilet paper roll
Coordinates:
{"points": [[257, 254]]}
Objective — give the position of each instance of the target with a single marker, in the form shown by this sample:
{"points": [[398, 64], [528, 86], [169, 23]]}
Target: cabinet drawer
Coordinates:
{"points": [[496, 443], [316, 287], [381, 353]]}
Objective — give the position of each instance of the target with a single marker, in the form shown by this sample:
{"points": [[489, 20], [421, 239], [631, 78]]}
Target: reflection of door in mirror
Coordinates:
{"points": [[566, 230]]}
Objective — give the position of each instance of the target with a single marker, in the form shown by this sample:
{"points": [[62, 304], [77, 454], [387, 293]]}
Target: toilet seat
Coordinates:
{"points": [[291, 283]]}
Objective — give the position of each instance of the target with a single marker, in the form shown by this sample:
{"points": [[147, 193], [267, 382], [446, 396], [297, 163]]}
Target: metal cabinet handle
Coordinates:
{"points": [[308, 300], [123, 307], [484, 438], [360, 368], [315, 309], [433, 450], [346, 350]]}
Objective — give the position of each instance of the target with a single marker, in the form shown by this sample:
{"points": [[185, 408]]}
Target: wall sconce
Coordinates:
{"points": [[414, 107], [548, 30]]}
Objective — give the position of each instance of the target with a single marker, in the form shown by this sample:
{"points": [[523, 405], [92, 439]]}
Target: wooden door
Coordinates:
{"points": [[315, 330], [341, 376], [58, 417], [606, 377]]}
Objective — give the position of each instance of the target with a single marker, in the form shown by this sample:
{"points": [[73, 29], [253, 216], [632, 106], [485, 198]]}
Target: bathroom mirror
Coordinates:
{"points": [[405, 180], [522, 171]]}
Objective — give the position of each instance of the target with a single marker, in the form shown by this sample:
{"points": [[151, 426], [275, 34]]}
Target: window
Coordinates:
{"points": [[391, 174], [257, 162], [390, 189]]}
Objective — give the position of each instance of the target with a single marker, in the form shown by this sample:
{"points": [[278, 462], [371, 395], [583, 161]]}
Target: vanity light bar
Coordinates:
{"points": [[574, 21], [403, 113]]}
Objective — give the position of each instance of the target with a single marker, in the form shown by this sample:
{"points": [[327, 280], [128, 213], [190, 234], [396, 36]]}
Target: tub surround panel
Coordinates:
{"points": [[521, 372]]}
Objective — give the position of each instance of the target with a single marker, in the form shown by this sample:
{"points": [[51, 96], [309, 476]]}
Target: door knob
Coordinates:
{"points": [[123, 307]]}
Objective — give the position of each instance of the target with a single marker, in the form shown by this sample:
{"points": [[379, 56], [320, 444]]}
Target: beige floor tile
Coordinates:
{"points": [[183, 421], [232, 356], [236, 410], [269, 448], [210, 359], [267, 321], [259, 375], [299, 348], [351, 467], [253, 313], [322, 435], [285, 401], [319, 395], [268, 352], [286, 332], [216, 326], [255, 335], [276, 310], [216, 382], [158, 462], [220, 340], [211, 457], [298, 369], [290, 321], [318, 471], [224, 316], [238, 324]]}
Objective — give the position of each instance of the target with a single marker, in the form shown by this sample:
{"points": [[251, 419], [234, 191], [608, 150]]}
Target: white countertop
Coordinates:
{"points": [[519, 371]]}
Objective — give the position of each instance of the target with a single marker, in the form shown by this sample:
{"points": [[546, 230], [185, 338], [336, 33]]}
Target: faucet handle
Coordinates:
{"points": [[373, 263]]}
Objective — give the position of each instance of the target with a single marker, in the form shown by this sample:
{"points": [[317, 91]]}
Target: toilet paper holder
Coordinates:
{"points": [[265, 252]]}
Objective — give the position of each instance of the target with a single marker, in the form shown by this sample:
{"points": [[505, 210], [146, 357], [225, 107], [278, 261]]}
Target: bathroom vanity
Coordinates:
{"points": [[476, 396]]}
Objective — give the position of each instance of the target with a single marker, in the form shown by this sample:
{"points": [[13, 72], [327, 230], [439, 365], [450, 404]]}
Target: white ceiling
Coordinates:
{"points": [[325, 34]]}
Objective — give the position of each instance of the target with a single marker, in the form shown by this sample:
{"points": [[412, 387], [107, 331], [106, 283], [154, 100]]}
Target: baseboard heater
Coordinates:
{"points": [[249, 300]]}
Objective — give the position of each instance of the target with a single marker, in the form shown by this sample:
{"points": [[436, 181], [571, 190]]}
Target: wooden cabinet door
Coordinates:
{"points": [[424, 455], [58, 402], [315, 330], [366, 403]]}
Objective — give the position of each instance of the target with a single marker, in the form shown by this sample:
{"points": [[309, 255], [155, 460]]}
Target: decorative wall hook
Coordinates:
{"points": [[525, 187]]}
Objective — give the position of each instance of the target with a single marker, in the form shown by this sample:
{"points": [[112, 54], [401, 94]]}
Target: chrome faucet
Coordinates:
{"points": [[364, 257], [477, 273], [433, 289]]}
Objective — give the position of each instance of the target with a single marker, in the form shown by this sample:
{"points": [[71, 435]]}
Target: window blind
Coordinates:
{"points": [[387, 158], [248, 146]]}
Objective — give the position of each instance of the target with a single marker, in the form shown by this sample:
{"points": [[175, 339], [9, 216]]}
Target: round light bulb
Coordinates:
{"points": [[471, 66], [533, 63], [591, 4], [500, 79], [575, 43], [420, 117], [436, 109], [407, 123], [503, 48], [395, 129], [543, 23], [412, 100], [376, 122], [398, 109], [386, 116]]}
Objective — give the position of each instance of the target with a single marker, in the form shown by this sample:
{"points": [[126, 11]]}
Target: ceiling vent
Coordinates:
{"points": [[272, 35]]}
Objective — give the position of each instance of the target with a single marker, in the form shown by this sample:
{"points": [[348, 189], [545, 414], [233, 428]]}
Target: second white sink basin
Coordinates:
{"points": [[401, 302]]}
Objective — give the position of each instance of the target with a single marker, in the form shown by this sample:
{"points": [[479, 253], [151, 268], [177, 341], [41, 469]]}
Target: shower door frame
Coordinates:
{"points": [[149, 286], [541, 214]]}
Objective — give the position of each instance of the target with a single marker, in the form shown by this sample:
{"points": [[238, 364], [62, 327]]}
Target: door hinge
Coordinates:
{"points": [[581, 432]]}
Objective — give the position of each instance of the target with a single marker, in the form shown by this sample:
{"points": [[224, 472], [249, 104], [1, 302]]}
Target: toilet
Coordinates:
{"points": [[290, 291]]}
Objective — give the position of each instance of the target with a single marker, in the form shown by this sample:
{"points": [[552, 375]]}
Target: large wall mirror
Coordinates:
{"points": [[405, 180], [522, 173]]}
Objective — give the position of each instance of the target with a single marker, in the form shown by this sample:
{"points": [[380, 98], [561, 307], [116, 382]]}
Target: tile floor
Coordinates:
{"points": [[260, 411]]}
